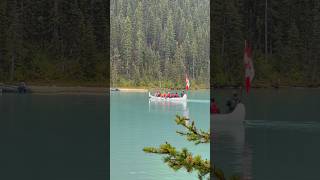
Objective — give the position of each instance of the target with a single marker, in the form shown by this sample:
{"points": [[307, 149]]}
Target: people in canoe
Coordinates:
{"points": [[182, 93], [233, 102], [157, 94], [168, 94], [214, 107]]}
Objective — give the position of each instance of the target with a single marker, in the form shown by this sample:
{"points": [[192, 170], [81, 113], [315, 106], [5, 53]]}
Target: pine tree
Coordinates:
{"points": [[178, 65], [316, 42], [14, 38], [294, 51], [157, 35], [140, 43], [127, 45], [114, 66], [87, 50], [194, 52], [3, 32], [170, 37]]}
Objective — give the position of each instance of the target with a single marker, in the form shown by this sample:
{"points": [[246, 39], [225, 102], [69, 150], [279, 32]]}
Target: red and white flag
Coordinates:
{"points": [[249, 70], [187, 83]]}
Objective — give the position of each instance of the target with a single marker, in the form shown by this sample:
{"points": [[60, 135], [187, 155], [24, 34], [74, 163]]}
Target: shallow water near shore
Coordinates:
{"points": [[279, 139], [136, 124]]}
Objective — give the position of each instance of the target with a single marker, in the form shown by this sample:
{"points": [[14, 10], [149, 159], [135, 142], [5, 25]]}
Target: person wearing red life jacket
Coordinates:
{"points": [[214, 107]]}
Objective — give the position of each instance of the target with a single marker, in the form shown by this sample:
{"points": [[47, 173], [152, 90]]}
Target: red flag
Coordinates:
{"points": [[249, 70], [187, 83]]}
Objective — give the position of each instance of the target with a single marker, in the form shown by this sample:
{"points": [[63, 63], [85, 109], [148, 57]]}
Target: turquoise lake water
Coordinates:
{"points": [[136, 124], [279, 140], [53, 136]]}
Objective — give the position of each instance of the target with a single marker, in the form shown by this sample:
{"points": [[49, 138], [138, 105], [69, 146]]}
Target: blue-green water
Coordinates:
{"points": [[279, 140], [136, 124], [53, 137]]}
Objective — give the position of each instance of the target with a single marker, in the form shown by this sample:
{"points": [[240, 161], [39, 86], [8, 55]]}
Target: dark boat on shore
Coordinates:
{"points": [[114, 89], [12, 88]]}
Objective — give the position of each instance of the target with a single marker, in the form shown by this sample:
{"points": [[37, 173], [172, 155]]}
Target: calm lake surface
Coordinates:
{"points": [[279, 140], [136, 124], [53, 137]]}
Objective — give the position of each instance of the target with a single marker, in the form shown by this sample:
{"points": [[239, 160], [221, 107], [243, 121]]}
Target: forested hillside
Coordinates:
{"points": [[54, 40], [286, 44], [159, 41]]}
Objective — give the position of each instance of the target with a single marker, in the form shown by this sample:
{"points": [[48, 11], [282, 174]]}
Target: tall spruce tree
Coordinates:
{"points": [[127, 45]]}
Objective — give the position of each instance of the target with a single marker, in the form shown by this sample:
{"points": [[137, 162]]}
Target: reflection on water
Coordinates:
{"points": [[230, 151], [258, 148], [284, 125], [167, 106], [279, 139]]}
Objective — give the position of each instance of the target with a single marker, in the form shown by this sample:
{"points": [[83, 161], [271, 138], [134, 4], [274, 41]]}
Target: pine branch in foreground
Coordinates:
{"points": [[184, 159], [192, 134], [181, 159]]}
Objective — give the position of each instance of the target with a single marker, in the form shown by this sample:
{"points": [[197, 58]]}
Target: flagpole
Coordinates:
{"points": [[244, 82]]}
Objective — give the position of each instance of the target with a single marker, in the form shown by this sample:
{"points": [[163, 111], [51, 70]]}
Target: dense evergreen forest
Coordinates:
{"points": [[285, 36], [158, 42], [58, 40]]}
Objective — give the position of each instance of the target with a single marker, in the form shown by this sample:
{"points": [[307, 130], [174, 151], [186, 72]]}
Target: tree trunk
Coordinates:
{"points": [[222, 44], [193, 68], [13, 58], [56, 15], [266, 30], [127, 68]]}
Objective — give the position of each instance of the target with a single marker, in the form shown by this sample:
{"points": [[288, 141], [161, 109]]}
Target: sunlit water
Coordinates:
{"points": [[280, 138], [136, 124]]}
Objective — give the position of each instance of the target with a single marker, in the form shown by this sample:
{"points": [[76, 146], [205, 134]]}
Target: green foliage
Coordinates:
{"points": [[181, 159], [47, 41], [192, 134], [154, 41], [293, 37], [178, 159], [42, 69]]}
